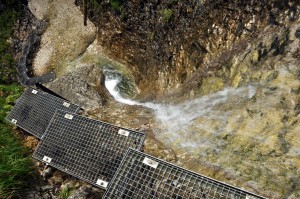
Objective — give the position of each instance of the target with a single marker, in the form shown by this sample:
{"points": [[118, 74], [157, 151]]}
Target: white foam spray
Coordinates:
{"points": [[177, 120]]}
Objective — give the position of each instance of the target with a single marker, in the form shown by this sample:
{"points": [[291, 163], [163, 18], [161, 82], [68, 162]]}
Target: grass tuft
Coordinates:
{"points": [[65, 192], [166, 14], [116, 5]]}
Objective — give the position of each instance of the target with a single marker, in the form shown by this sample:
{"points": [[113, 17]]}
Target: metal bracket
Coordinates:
{"points": [[69, 116], [34, 91], [150, 162], [123, 132], [14, 121], [102, 183], [47, 159], [66, 104]]}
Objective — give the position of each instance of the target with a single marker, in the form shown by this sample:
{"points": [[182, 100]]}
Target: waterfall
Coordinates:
{"points": [[183, 114], [187, 111], [179, 121]]}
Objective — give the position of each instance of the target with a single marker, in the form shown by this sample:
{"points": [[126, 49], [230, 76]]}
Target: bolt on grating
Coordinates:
{"points": [[88, 149], [143, 176], [34, 110]]}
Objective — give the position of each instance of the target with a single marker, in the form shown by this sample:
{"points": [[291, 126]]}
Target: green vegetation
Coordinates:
{"points": [[9, 13], [151, 36], [65, 192], [96, 5], [116, 5], [166, 14], [15, 164]]}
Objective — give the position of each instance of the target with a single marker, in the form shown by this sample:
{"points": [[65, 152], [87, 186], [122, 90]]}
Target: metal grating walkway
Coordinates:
{"points": [[85, 148], [143, 176], [34, 110]]}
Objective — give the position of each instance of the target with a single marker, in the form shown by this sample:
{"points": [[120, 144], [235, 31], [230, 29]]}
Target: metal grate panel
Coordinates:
{"points": [[85, 148], [143, 176], [34, 110]]}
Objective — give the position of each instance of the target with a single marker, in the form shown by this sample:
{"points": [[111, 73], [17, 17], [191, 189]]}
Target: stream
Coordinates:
{"points": [[181, 123]]}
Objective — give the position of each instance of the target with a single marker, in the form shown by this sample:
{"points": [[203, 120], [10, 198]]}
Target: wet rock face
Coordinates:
{"points": [[251, 143], [170, 40]]}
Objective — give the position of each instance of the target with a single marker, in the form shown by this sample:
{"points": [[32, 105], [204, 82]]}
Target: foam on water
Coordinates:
{"points": [[111, 85]]}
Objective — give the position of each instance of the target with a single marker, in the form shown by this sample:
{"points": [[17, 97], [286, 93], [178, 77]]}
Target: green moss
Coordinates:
{"points": [[166, 14], [116, 5], [211, 85], [237, 80], [151, 36], [93, 4], [255, 57]]}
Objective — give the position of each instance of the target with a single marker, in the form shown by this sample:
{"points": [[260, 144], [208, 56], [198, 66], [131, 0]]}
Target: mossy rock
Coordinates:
{"points": [[211, 85]]}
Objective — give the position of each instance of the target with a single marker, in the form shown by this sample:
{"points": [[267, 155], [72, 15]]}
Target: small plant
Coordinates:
{"points": [[94, 5], [151, 36], [116, 5], [166, 14], [65, 192]]}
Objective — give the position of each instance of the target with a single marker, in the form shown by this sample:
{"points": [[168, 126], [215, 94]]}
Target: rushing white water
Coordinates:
{"points": [[182, 114], [179, 121], [185, 112], [111, 85]]}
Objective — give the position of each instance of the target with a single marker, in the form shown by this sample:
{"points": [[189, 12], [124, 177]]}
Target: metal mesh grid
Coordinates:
{"points": [[34, 110], [143, 176], [87, 149]]}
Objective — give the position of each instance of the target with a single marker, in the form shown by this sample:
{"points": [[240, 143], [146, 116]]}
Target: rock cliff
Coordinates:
{"points": [[170, 41]]}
